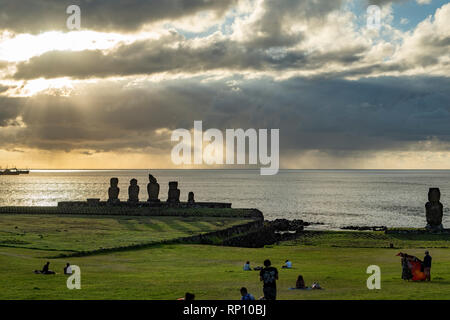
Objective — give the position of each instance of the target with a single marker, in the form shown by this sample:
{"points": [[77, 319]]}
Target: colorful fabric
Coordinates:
{"points": [[415, 265]]}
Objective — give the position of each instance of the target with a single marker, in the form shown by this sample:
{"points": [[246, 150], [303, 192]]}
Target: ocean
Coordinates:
{"points": [[336, 198]]}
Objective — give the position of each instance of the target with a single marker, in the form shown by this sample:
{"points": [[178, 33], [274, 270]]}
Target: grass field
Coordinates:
{"points": [[337, 260], [71, 233]]}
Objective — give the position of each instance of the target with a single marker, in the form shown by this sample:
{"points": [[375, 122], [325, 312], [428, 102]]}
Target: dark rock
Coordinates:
{"points": [[365, 228], [287, 225]]}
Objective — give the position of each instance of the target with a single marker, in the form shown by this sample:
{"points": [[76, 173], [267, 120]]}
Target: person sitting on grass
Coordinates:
{"points": [[247, 266], [45, 269], [316, 286], [68, 269], [245, 295], [287, 264], [300, 284], [188, 297]]}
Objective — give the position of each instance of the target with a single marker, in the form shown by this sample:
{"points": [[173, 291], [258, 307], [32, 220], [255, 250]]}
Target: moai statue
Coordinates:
{"points": [[152, 189], [133, 192], [434, 210], [191, 198], [174, 192], [113, 191]]}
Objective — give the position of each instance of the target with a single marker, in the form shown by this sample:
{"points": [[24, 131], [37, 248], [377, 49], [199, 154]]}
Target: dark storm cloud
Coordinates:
{"points": [[335, 116], [10, 109], [33, 16], [150, 57], [3, 88]]}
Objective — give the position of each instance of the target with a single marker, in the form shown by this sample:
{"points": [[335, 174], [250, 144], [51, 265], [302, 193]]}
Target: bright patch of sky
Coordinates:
{"points": [[405, 15], [414, 13]]}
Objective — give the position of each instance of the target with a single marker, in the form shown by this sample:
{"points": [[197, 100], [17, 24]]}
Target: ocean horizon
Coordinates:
{"points": [[334, 197]]}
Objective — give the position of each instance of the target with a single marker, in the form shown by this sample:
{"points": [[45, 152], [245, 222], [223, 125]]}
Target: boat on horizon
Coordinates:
{"points": [[13, 172]]}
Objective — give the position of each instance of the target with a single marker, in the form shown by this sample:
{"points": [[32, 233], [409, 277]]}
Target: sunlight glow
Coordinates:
{"points": [[24, 46]]}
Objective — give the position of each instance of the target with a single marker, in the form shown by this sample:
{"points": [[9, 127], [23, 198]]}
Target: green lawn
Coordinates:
{"points": [[337, 260], [378, 239], [166, 272], [75, 233]]}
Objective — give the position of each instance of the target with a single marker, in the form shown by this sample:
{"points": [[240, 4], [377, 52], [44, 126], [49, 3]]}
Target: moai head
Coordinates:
{"points": [[114, 182], [434, 195], [173, 185], [152, 179]]}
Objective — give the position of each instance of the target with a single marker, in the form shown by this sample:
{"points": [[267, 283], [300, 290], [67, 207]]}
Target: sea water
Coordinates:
{"points": [[334, 197]]}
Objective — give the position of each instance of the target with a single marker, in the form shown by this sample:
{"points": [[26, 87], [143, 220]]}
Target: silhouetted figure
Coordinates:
{"points": [[269, 275], [300, 284], [113, 191], [406, 270], [152, 189], [45, 269], [434, 210], [191, 199], [427, 266], [174, 192], [133, 192], [189, 296]]}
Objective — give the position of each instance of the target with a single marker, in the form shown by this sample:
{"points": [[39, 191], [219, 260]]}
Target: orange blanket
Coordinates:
{"points": [[415, 265]]}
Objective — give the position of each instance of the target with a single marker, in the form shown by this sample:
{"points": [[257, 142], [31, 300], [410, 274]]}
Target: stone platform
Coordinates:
{"points": [[141, 204]]}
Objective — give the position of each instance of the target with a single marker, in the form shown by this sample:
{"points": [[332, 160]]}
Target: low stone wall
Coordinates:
{"points": [[415, 231], [143, 204]]}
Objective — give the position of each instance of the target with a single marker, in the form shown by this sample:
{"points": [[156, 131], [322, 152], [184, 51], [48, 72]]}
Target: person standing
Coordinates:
{"points": [[427, 266], [269, 276], [406, 271]]}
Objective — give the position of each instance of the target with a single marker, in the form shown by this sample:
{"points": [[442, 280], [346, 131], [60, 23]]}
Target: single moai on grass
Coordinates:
{"points": [[434, 210]]}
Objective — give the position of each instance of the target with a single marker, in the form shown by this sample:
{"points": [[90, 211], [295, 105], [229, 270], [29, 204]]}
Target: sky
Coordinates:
{"points": [[109, 95]]}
